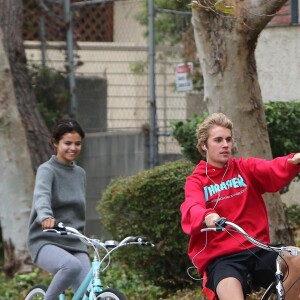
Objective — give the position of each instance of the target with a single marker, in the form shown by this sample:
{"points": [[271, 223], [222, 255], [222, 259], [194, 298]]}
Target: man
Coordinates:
{"points": [[232, 188]]}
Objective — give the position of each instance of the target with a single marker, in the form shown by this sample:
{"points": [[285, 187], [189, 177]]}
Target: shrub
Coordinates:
{"points": [[293, 216], [283, 126], [17, 286], [185, 134], [51, 93], [148, 204]]}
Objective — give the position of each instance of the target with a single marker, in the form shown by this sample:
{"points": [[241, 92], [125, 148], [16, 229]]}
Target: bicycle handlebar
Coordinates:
{"points": [[109, 246], [221, 223], [61, 229]]}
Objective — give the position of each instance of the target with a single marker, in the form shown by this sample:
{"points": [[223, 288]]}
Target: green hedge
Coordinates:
{"points": [[283, 122], [148, 204], [185, 134]]}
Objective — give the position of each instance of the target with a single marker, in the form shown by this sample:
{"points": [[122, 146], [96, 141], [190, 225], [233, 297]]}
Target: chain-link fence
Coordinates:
{"points": [[110, 44]]}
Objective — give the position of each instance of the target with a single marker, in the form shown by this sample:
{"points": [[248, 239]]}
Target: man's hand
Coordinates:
{"points": [[294, 160], [48, 223], [211, 219]]}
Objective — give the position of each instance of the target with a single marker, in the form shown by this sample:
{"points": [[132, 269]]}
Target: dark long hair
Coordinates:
{"points": [[66, 126]]}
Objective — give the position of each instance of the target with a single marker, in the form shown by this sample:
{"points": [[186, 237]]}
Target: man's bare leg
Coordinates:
{"points": [[230, 289]]}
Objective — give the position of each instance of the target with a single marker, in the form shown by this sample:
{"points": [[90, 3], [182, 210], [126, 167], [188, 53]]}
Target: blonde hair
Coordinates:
{"points": [[215, 119]]}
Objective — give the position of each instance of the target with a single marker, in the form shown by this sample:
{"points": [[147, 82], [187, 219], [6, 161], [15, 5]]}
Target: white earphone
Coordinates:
{"points": [[204, 147]]}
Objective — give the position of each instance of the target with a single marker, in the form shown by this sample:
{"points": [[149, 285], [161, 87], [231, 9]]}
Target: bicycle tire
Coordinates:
{"points": [[110, 294], [38, 292]]}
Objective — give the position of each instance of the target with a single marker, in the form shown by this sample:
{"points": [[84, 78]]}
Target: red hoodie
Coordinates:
{"points": [[237, 197]]}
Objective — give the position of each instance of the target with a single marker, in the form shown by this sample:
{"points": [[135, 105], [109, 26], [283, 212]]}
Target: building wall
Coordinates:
{"points": [[126, 28], [278, 63], [106, 156]]}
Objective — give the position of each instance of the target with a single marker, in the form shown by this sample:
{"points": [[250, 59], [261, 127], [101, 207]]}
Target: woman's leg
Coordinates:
{"points": [[85, 267], [63, 264]]}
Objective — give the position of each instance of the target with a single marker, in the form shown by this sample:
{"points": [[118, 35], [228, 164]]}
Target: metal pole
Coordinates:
{"points": [[42, 37], [295, 11], [70, 58], [153, 138]]}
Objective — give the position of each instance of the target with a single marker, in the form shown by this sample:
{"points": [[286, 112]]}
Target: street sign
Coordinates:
{"points": [[184, 81]]}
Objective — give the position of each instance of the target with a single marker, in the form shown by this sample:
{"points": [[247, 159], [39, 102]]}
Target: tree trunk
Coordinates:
{"points": [[226, 49], [16, 174], [37, 134], [24, 139]]}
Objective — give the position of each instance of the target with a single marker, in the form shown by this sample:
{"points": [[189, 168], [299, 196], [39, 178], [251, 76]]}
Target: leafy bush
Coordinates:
{"points": [[17, 287], [118, 276], [293, 217], [51, 93], [283, 126], [293, 214], [185, 134], [148, 204]]}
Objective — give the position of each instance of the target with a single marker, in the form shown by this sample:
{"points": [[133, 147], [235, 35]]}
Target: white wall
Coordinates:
{"points": [[278, 63], [126, 28]]}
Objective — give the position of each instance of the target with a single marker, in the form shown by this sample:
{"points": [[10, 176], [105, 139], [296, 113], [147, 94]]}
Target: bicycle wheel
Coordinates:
{"points": [[111, 294], [36, 293]]}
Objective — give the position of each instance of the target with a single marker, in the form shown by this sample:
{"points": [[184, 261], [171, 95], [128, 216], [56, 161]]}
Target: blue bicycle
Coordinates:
{"points": [[91, 288]]}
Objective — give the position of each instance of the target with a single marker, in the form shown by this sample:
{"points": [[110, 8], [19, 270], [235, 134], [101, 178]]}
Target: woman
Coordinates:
{"points": [[59, 196]]}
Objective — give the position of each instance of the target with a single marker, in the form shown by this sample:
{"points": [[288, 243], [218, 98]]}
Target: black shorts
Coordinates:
{"points": [[259, 265]]}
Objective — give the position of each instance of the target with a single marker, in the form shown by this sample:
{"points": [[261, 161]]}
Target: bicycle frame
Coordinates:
{"points": [[91, 284], [279, 278], [277, 284]]}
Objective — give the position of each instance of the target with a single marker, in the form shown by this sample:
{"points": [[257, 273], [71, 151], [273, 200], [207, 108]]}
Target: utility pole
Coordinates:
{"points": [[70, 58], [42, 33], [70, 48], [153, 135]]}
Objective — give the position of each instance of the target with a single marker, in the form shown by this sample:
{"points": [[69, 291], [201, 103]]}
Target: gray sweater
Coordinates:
{"points": [[59, 192]]}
